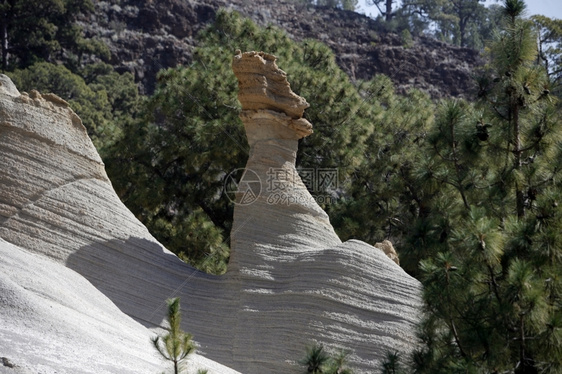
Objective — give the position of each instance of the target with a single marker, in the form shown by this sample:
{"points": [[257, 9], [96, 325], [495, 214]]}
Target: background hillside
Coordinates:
{"points": [[145, 37]]}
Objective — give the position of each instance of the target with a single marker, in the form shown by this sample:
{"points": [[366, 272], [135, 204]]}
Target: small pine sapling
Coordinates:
{"points": [[176, 344]]}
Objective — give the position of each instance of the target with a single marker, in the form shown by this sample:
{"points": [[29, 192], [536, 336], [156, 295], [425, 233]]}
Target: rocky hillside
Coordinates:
{"points": [[146, 36]]}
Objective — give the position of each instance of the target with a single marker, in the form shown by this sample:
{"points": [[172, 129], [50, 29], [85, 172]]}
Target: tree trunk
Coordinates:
{"points": [[4, 33], [388, 12], [462, 31], [460, 186], [519, 195]]}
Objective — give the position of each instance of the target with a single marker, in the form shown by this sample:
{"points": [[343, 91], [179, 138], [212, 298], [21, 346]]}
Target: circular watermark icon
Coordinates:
{"points": [[243, 182]]}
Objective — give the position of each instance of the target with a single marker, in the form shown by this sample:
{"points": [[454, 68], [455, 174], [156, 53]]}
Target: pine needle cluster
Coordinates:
{"points": [[175, 345], [318, 361], [490, 231]]}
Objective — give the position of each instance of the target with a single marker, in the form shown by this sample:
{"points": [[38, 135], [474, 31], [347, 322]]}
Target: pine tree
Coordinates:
{"points": [[338, 364], [374, 205], [318, 361], [492, 244], [550, 49], [176, 344], [391, 365], [315, 359], [38, 30], [467, 23]]}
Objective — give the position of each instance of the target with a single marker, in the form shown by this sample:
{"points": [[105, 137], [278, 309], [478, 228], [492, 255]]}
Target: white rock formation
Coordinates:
{"points": [[290, 281], [55, 202], [55, 321]]}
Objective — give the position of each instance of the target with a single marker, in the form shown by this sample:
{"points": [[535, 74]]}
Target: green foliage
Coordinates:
{"points": [[392, 364], [32, 31], [342, 4], [338, 364], [407, 40], [349, 4], [550, 49], [317, 361], [176, 344], [467, 23], [514, 8], [375, 192], [490, 242]]}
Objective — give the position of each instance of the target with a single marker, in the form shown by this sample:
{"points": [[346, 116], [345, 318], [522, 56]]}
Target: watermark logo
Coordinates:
{"points": [[283, 186], [319, 180], [245, 182]]}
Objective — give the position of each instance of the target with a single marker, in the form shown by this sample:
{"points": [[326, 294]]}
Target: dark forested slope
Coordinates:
{"points": [[146, 36]]}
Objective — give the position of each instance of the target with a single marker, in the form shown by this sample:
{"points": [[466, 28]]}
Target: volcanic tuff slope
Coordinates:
{"points": [[290, 280], [55, 202], [146, 36]]}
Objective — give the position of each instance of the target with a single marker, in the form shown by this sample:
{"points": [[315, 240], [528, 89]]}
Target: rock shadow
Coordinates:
{"points": [[138, 275]]}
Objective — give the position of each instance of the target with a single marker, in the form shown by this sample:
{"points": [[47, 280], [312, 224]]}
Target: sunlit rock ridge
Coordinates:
{"points": [[68, 243]]}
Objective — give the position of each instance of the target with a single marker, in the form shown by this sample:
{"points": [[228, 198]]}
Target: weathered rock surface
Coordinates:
{"points": [[388, 249], [146, 36], [55, 321], [285, 218], [262, 85], [285, 251], [290, 280], [56, 203]]}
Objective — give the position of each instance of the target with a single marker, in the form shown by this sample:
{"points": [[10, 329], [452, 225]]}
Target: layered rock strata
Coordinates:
{"points": [[61, 222], [55, 321], [290, 281], [283, 216], [292, 268]]}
